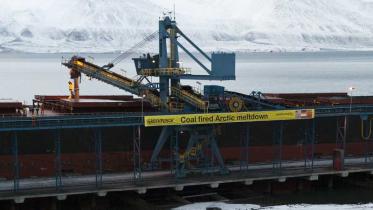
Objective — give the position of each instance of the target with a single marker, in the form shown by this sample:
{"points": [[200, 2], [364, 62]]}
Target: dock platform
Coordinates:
{"points": [[89, 184]]}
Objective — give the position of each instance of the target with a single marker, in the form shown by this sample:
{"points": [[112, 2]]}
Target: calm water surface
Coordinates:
{"points": [[25, 75]]}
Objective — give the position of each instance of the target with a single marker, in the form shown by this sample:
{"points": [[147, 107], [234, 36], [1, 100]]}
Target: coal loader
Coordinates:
{"points": [[164, 134]]}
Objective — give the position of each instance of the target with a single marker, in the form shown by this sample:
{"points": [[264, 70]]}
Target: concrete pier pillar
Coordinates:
{"points": [[141, 190], [249, 182], [19, 200], [214, 185], [282, 179], [179, 187], [101, 193], [313, 178], [344, 174]]}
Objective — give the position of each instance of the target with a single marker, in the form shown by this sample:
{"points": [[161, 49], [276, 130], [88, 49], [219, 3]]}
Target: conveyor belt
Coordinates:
{"points": [[112, 78], [255, 100], [190, 98]]}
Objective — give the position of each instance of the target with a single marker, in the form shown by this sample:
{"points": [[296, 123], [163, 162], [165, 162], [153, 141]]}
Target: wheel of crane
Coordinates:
{"points": [[235, 104]]}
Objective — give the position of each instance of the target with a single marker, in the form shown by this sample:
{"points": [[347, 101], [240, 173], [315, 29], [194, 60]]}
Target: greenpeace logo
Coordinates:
{"points": [[159, 121]]}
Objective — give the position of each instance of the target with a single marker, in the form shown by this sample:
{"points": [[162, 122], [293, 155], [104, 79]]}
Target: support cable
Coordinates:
{"points": [[131, 50]]}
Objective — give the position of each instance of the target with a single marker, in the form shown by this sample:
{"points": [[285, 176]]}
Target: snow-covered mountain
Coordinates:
{"points": [[239, 25]]}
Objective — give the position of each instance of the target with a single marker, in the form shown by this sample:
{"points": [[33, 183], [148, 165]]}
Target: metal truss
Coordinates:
{"points": [[200, 154]]}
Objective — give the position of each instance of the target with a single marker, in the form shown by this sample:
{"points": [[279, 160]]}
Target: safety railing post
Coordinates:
{"points": [[309, 144], [16, 170], [98, 155], [137, 171], [244, 147], [277, 146], [57, 162]]}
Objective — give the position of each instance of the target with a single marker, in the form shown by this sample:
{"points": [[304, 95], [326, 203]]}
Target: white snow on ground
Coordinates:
{"points": [[224, 206], [240, 25]]}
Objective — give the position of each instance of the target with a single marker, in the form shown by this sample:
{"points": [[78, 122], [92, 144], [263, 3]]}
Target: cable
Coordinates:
{"points": [[131, 50]]}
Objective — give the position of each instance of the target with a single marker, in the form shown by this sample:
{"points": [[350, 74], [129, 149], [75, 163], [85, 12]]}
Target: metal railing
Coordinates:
{"points": [[65, 121], [86, 120], [339, 110], [165, 71]]}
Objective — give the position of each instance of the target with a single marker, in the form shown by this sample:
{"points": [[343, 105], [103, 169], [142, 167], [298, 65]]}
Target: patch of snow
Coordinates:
{"points": [[240, 25]]}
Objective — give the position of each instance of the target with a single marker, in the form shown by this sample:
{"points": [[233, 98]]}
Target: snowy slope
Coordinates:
{"points": [[240, 25]]}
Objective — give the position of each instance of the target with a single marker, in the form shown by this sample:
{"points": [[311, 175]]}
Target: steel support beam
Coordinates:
{"points": [[244, 146], [193, 57], [366, 128], [57, 159], [98, 156], [16, 170], [277, 146], [194, 45], [342, 124], [187, 154], [309, 144], [341, 132], [216, 153], [368, 151], [165, 133], [137, 154], [178, 163]]}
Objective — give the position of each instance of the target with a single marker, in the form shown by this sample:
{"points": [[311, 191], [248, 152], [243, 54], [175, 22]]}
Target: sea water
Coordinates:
{"points": [[24, 75]]}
